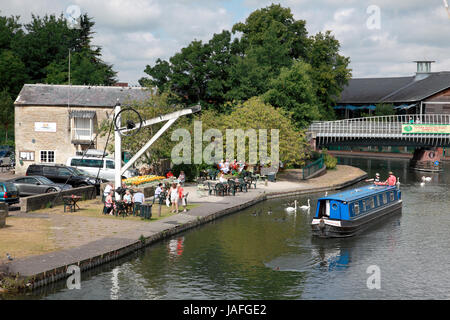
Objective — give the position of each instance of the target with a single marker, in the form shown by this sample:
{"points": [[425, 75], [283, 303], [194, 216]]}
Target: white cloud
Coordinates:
{"points": [[134, 33]]}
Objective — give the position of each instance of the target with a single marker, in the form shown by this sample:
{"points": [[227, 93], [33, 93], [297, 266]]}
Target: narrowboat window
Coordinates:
{"points": [[356, 208], [369, 204], [363, 207], [334, 206], [381, 199], [392, 196], [384, 198]]}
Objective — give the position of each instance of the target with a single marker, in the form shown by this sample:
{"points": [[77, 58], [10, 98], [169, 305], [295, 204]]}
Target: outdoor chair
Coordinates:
{"points": [[242, 185], [219, 189], [68, 203], [121, 209], [232, 187]]}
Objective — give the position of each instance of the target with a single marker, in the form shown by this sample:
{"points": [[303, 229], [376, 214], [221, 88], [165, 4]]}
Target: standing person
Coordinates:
{"points": [[109, 203], [182, 196], [173, 192], [107, 190], [138, 197], [158, 191]]}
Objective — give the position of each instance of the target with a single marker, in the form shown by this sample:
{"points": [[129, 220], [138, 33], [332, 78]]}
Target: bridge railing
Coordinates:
{"points": [[378, 126], [312, 168]]}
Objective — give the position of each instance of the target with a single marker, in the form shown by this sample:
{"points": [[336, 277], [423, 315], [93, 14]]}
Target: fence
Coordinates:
{"points": [[381, 127], [312, 168]]}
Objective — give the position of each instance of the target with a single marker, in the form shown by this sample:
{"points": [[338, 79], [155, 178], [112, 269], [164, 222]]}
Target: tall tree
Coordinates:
{"points": [[294, 92], [47, 42], [329, 72], [6, 112]]}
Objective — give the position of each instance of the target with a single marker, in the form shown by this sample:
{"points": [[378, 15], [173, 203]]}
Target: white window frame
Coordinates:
{"points": [[75, 129], [47, 156]]}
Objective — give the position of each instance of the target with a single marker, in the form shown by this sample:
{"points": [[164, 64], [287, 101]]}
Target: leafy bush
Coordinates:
{"points": [[190, 170], [329, 160]]}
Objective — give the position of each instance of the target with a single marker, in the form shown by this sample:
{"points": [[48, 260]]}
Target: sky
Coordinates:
{"points": [[381, 37]]}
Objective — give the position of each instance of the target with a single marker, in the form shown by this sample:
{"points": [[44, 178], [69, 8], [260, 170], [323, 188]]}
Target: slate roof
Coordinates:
{"points": [[79, 96], [394, 90]]}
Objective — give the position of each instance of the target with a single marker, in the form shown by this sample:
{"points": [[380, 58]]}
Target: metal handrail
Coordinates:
{"points": [[314, 167], [378, 127]]}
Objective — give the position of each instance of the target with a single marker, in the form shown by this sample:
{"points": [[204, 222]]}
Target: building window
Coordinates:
{"points": [[47, 156], [82, 129]]}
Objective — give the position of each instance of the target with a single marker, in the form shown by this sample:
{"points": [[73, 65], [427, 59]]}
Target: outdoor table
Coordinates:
{"points": [[71, 202]]}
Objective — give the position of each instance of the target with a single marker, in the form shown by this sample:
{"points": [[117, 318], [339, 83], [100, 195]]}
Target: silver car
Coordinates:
{"points": [[32, 185]]}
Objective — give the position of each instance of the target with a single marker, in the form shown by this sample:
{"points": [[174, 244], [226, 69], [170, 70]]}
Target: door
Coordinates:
{"points": [[35, 186]]}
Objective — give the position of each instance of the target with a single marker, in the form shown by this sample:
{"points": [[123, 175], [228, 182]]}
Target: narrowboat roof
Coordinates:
{"points": [[362, 192]]}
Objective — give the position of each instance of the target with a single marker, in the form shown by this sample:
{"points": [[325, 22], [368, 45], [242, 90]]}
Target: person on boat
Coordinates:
{"points": [[376, 179], [391, 180]]}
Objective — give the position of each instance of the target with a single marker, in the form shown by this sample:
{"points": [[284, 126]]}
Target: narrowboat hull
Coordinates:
{"points": [[327, 228]]}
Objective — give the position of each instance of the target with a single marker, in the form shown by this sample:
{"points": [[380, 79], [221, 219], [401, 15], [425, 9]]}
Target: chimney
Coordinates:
{"points": [[423, 69]]}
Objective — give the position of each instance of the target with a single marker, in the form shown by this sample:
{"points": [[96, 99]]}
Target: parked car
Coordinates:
{"points": [[32, 185], [104, 167], [8, 193], [60, 173]]}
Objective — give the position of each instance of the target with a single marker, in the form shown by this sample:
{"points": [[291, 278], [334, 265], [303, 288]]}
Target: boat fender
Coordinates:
{"points": [[321, 224]]}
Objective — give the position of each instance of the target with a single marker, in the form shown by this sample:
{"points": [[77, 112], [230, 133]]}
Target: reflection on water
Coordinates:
{"points": [[265, 252]]}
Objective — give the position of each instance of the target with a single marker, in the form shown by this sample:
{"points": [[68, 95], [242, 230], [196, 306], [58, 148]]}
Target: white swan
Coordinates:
{"points": [[306, 207], [291, 209]]}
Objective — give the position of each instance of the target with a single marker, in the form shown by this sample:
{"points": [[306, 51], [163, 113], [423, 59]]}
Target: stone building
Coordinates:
{"points": [[53, 122]]}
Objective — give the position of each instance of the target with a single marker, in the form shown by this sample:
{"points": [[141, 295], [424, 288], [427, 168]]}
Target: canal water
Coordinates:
{"points": [[264, 252]]}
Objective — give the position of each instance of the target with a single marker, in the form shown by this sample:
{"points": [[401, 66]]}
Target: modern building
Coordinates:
{"points": [[424, 92], [54, 122]]}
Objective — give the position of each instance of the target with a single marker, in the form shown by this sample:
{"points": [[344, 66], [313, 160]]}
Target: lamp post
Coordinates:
{"points": [[117, 150]]}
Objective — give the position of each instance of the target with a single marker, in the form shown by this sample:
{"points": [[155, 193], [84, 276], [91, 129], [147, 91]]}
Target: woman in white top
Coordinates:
{"points": [[222, 178], [173, 192]]}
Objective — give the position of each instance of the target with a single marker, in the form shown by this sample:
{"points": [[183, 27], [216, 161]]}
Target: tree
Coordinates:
{"points": [[294, 92], [329, 71], [13, 73], [255, 114], [45, 48], [199, 73], [6, 112]]}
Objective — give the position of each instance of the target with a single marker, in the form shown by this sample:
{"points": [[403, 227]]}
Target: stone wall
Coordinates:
{"points": [[42, 201], [3, 214]]}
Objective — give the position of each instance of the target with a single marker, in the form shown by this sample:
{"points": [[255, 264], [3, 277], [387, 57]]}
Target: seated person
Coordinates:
{"points": [[182, 177], [222, 178], [128, 199], [226, 167]]}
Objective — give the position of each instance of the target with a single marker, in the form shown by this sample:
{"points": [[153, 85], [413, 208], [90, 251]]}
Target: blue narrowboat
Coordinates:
{"points": [[347, 213]]}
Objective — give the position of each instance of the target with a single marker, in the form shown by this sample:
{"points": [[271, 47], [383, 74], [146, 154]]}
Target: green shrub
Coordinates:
{"points": [[329, 160]]}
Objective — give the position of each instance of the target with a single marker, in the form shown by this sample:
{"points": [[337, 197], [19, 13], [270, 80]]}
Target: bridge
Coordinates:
{"points": [[425, 130]]}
